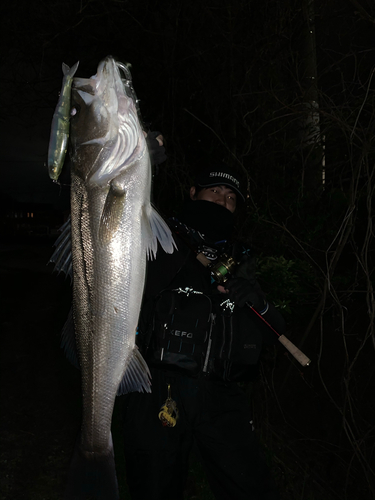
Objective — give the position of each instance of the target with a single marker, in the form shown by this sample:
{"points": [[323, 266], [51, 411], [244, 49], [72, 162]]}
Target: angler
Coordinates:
{"points": [[195, 397]]}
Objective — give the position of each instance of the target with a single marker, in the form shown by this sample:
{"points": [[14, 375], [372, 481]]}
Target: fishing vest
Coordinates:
{"points": [[204, 336], [192, 328]]}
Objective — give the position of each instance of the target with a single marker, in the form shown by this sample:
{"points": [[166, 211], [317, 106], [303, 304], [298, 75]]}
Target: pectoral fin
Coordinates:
{"points": [[156, 229], [112, 212]]}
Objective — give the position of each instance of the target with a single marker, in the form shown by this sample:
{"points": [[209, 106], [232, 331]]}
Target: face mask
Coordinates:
{"points": [[212, 220]]}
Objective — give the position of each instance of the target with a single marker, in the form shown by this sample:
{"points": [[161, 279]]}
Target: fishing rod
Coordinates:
{"points": [[219, 271]]}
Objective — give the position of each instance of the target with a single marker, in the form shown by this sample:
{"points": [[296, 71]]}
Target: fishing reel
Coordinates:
{"points": [[220, 272], [222, 268]]}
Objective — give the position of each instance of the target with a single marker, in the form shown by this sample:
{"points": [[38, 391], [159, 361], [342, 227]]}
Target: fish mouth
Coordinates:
{"points": [[108, 70], [106, 84], [110, 103]]}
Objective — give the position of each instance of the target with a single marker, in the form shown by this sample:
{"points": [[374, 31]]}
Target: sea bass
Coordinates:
{"points": [[114, 229]]}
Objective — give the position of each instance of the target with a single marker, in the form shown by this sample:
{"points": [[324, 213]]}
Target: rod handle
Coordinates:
{"points": [[294, 351]]}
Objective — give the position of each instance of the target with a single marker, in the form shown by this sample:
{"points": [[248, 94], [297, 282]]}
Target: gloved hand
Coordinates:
{"points": [[156, 148], [242, 290]]}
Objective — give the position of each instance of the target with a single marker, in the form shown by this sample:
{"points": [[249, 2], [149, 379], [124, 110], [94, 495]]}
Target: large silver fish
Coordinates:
{"points": [[114, 229]]}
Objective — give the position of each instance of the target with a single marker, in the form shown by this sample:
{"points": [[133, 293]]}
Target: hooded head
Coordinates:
{"points": [[216, 194]]}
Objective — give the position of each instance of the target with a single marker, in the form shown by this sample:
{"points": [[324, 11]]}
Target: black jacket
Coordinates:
{"points": [[187, 325]]}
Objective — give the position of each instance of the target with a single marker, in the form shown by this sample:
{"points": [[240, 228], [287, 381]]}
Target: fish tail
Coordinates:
{"points": [[92, 476]]}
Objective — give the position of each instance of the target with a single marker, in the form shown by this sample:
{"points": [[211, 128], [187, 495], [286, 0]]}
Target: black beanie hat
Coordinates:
{"points": [[220, 175]]}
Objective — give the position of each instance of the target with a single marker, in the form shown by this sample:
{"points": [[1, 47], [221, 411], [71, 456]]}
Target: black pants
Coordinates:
{"points": [[217, 417]]}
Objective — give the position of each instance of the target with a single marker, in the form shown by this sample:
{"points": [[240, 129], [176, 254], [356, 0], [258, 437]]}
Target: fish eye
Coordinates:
{"points": [[74, 110]]}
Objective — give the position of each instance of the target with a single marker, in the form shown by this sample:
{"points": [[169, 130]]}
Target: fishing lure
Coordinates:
{"points": [[58, 143]]}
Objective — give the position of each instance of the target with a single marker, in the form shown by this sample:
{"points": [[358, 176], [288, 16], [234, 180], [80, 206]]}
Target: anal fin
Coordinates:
{"points": [[137, 375]]}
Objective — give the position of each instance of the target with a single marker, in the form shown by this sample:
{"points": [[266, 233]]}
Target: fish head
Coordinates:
{"points": [[106, 135]]}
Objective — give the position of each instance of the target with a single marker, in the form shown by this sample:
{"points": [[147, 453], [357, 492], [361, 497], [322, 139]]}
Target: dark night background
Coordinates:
{"points": [[224, 80]]}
